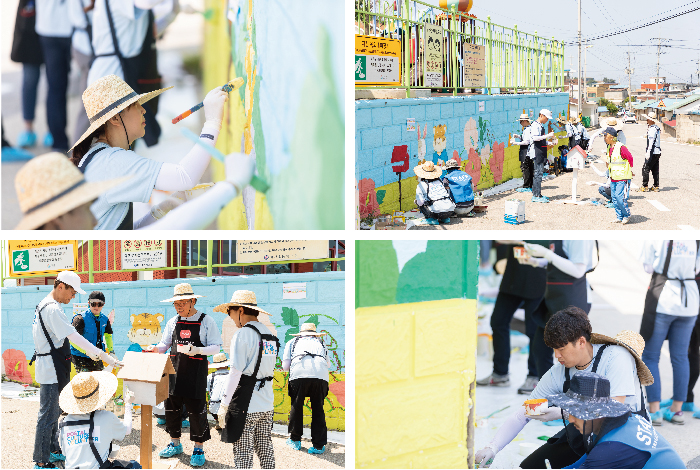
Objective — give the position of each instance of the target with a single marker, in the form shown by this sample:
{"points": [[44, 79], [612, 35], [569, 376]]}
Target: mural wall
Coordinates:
{"points": [[475, 130], [290, 112], [140, 316], [415, 344]]}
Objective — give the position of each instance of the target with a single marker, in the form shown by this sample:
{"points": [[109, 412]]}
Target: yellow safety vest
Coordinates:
{"points": [[619, 168]]}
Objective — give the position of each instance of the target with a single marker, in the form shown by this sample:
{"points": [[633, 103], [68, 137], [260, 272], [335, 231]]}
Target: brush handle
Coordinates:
{"points": [[228, 88]]}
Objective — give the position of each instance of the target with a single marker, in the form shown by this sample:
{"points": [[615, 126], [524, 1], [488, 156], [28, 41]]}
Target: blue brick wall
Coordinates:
{"points": [[325, 296]]}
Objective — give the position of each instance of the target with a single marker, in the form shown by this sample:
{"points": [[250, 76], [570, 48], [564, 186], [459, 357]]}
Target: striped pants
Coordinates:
{"points": [[257, 437]]}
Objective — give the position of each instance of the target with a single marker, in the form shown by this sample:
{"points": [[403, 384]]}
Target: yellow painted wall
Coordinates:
{"points": [[415, 364]]}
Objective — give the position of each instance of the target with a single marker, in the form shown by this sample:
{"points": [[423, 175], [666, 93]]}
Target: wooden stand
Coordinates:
{"points": [[146, 436]]}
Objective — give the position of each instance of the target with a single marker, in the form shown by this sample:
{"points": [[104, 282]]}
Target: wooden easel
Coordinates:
{"points": [[146, 436]]}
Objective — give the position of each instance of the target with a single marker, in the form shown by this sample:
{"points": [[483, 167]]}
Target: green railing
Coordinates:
{"points": [[104, 256], [514, 61]]}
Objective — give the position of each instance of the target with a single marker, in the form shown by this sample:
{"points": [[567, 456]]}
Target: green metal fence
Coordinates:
{"points": [[515, 61]]}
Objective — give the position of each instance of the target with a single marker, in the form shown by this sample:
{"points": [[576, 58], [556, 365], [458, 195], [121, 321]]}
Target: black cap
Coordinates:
{"points": [[96, 295], [611, 131]]}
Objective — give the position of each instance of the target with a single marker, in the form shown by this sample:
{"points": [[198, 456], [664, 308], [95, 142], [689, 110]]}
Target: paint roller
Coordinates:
{"points": [[234, 84]]}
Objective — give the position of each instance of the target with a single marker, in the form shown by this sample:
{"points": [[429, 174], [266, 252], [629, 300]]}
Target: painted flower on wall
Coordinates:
{"points": [[471, 135], [485, 154], [473, 166], [368, 198], [496, 161]]}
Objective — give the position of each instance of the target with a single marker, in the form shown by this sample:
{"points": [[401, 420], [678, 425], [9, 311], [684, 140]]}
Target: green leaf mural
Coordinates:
{"points": [[312, 319], [380, 195], [291, 331], [290, 316]]}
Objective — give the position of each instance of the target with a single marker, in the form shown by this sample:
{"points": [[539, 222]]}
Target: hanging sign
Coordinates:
{"points": [[139, 254], [40, 257], [377, 61], [474, 66], [280, 251], [432, 55]]}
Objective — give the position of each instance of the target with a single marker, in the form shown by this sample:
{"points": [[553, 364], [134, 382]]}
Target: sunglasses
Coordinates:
{"points": [[96, 304]]}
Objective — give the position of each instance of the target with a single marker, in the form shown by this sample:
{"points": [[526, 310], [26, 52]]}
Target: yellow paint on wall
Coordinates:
{"points": [[410, 357], [391, 198]]}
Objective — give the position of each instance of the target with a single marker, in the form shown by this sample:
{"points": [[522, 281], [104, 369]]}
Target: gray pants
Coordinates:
{"points": [[537, 178], [45, 439], [82, 123]]}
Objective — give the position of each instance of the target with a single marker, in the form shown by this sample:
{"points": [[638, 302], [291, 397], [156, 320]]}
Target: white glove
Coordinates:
{"points": [[165, 206], [151, 348], [538, 251], [552, 413], [191, 350], [239, 169], [221, 415], [549, 136], [648, 268], [214, 106], [484, 457], [112, 361]]}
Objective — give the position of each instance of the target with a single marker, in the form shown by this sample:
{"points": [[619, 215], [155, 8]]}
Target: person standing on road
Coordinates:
{"points": [[526, 163], [52, 331], [522, 286], [306, 359], [80, 12], [191, 336], [93, 326], [619, 162], [670, 311], [538, 152], [582, 138], [652, 154]]}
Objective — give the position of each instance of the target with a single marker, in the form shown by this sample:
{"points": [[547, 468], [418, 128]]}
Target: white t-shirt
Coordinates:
{"points": [[438, 194], [74, 440], [216, 382], [113, 162], [81, 39], [304, 366], [52, 18], [58, 327], [245, 345], [685, 262], [616, 364], [208, 331]]}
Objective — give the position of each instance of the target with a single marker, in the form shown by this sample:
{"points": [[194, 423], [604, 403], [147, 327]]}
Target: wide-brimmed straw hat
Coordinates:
{"points": [[634, 343], [183, 292], [308, 329], [107, 97], [427, 170], [588, 398], [241, 298], [651, 117], [451, 163], [524, 117], [87, 392], [219, 361], [614, 123], [561, 120], [50, 185]]}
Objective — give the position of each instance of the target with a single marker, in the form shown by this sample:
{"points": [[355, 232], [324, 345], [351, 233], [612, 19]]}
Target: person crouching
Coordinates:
{"points": [[459, 186], [432, 198]]}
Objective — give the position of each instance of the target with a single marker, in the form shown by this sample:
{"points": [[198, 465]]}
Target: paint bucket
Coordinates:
{"points": [[197, 191], [484, 346], [527, 448]]}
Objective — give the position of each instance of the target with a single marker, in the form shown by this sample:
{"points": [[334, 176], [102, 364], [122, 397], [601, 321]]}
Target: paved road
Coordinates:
{"points": [[676, 206]]}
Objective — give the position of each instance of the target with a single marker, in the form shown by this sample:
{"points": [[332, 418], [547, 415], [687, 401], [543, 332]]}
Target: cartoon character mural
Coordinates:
{"points": [[145, 330], [439, 144]]}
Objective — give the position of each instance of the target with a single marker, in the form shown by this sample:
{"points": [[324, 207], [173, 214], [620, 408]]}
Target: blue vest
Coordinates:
{"points": [[460, 186], [90, 333], [637, 432]]}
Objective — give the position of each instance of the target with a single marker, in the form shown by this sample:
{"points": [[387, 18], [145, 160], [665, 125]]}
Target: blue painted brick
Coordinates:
{"points": [[14, 334], [453, 126], [470, 108], [11, 301], [381, 117], [262, 291], [459, 109], [331, 309], [411, 136], [31, 299], [132, 297], [391, 135], [156, 294], [498, 105], [447, 153], [399, 114], [5, 317], [446, 110], [390, 175], [363, 118], [376, 175], [418, 113], [371, 138], [381, 156], [276, 294], [24, 317], [331, 291], [342, 314], [489, 106], [213, 295], [432, 112], [364, 160]]}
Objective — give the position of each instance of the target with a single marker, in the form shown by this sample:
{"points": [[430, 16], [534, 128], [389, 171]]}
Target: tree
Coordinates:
{"points": [[608, 80], [612, 107], [634, 100]]}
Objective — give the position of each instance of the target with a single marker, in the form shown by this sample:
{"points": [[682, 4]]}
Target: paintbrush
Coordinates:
{"points": [[229, 87]]}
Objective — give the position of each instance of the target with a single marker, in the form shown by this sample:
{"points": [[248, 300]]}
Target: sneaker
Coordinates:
{"points": [[26, 139], [667, 403], [610, 205], [524, 190], [654, 188], [48, 140], [185, 423], [540, 199], [50, 465], [432, 221], [495, 380], [197, 459], [616, 221], [696, 414], [296, 445], [314, 450], [624, 220], [529, 385], [643, 189], [160, 421], [674, 417], [688, 406], [56, 457], [657, 419], [15, 154], [171, 450], [445, 221]]}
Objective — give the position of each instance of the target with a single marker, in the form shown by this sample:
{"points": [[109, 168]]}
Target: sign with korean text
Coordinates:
{"points": [[377, 61], [432, 55], [280, 251], [294, 290], [474, 66], [140, 254], [41, 257]]}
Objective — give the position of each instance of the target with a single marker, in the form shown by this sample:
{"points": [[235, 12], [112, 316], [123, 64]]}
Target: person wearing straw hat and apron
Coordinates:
{"points": [[116, 120], [577, 350], [526, 164], [613, 436], [538, 152], [459, 185], [432, 198], [306, 359], [652, 154], [216, 381], [670, 311], [86, 434], [52, 331], [191, 336], [246, 408], [53, 194]]}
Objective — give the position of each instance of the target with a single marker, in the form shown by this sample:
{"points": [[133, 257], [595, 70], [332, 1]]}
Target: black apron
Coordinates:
{"points": [[651, 302], [306, 353], [238, 408], [525, 281], [540, 147], [522, 151], [60, 356], [141, 73], [26, 48], [127, 222], [190, 377]]}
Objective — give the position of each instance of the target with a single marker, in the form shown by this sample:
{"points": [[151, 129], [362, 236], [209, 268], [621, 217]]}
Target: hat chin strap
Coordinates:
{"points": [[127, 134]]}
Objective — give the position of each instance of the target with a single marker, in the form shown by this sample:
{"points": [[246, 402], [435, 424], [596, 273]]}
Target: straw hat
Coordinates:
{"points": [[451, 163], [183, 292], [561, 120], [219, 361], [107, 97], [427, 171], [614, 123], [651, 117], [50, 185], [308, 329], [241, 298], [524, 117], [634, 343], [87, 392]]}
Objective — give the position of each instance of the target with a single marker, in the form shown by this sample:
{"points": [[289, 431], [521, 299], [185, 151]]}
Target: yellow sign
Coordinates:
{"points": [[41, 257], [661, 104], [279, 251], [377, 61]]}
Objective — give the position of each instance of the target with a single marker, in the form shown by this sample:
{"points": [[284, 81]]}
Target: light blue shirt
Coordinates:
{"points": [[579, 251], [685, 262], [244, 355], [304, 366]]}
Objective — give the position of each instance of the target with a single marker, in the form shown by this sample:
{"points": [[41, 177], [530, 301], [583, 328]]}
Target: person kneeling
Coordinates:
{"points": [[459, 185], [613, 436], [432, 198]]}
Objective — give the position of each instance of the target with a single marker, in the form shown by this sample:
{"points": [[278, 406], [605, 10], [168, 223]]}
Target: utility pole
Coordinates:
{"points": [[585, 70], [578, 75], [658, 55], [629, 71]]}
